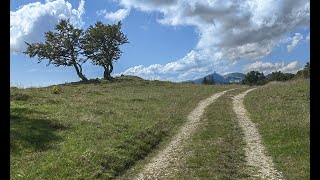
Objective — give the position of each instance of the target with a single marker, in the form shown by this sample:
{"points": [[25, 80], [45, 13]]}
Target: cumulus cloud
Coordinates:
{"points": [[30, 21], [115, 16], [239, 26], [148, 5], [195, 64], [295, 40], [230, 30], [267, 67]]}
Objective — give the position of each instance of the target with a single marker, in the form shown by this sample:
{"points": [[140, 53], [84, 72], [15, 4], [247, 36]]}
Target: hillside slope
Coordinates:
{"points": [[102, 129], [97, 129], [281, 114]]}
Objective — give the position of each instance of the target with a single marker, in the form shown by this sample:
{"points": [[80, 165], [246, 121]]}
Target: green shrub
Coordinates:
{"points": [[208, 80], [280, 76], [254, 78], [56, 90], [304, 73]]}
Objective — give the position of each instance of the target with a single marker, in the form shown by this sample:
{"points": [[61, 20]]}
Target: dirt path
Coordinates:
{"points": [[255, 151], [164, 163]]}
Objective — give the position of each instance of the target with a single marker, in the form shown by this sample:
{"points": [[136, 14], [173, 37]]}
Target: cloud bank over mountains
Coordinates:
{"points": [[267, 67], [189, 67], [229, 31]]}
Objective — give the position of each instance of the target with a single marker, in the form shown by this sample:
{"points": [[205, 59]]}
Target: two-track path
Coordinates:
{"points": [[255, 151], [162, 166], [159, 166]]}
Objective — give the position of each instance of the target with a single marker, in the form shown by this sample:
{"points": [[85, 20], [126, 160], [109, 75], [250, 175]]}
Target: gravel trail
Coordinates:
{"points": [[164, 163], [255, 151]]}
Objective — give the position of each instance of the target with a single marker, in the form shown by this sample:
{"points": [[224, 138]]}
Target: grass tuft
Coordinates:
{"points": [[56, 90]]}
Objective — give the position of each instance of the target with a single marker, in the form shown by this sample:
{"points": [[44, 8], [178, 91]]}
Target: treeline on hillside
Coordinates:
{"points": [[70, 46], [208, 80], [258, 78]]}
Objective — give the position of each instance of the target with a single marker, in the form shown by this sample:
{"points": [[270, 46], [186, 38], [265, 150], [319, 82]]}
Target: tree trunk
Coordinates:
{"points": [[107, 72], [79, 73]]}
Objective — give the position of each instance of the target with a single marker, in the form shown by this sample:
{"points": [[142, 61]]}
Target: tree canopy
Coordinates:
{"points": [[101, 44], [280, 76], [208, 80], [254, 78], [70, 46], [61, 48], [304, 73]]}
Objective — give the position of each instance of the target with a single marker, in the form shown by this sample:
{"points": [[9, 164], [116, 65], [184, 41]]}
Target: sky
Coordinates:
{"points": [[170, 40]]}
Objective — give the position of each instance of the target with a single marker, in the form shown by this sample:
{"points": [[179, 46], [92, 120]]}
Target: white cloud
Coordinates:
{"points": [[227, 25], [267, 67], [31, 21], [308, 37], [148, 5], [194, 65], [295, 40], [229, 31], [115, 16]]}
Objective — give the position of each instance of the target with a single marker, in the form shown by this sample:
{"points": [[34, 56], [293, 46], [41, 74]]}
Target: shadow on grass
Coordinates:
{"points": [[27, 132]]}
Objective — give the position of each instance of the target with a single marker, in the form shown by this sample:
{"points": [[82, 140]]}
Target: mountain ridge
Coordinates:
{"points": [[235, 77]]}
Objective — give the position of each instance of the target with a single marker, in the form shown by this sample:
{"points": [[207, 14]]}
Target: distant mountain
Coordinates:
{"points": [[268, 75], [218, 79], [233, 77]]}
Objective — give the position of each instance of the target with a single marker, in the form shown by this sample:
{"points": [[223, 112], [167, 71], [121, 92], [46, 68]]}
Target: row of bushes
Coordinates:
{"points": [[258, 78]]}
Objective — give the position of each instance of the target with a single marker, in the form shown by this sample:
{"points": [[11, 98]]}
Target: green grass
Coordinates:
{"points": [[216, 150], [95, 130], [281, 112]]}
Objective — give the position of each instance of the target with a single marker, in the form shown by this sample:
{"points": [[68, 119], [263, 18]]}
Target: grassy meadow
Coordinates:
{"points": [[281, 112], [95, 130], [109, 129]]}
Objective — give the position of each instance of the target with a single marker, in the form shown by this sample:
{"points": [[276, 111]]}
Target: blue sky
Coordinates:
{"points": [[173, 40]]}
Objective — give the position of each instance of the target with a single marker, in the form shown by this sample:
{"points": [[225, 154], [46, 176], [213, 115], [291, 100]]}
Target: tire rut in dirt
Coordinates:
{"points": [[162, 166], [255, 151]]}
